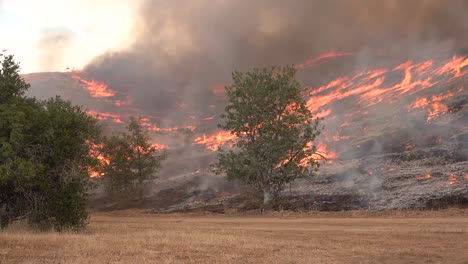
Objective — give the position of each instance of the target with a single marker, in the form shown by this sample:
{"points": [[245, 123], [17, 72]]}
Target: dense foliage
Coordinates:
{"points": [[274, 127], [44, 161]]}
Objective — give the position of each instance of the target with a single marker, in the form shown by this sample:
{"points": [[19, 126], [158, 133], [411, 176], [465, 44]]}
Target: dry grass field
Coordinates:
{"points": [[351, 237]]}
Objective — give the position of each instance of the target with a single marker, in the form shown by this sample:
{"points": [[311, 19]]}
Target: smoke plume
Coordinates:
{"points": [[182, 49]]}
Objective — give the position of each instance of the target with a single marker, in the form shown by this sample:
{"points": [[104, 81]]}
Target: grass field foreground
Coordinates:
{"points": [[134, 237]]}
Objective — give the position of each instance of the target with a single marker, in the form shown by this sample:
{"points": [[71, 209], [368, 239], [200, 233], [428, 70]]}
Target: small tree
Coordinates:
{"points": [[146, 161], [275, 131], [116, 165], [130, 159]]}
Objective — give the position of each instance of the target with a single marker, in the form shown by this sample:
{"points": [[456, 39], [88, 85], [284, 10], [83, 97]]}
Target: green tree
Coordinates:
{"points": [[116, 158], [130, 160], [11, 83], [44, 147], [275, 131], [145, 162]]}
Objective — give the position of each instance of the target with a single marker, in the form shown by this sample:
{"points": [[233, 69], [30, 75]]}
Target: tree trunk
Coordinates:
{"points": [[267, 197]]}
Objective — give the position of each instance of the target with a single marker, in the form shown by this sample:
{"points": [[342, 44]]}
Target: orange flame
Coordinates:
{"points": [[368, 86], [320, 59], [322, 152], [96, 89], [434, 105], [213, 142], [424, 177], [452, 179], [94, 152], [159, 147], [106, 116]]}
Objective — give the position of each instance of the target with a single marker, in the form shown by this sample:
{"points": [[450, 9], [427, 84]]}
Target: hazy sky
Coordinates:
{"points": [[50, 35]]}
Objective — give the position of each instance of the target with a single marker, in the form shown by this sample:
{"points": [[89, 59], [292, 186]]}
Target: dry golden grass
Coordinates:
{"points": [[130, 237]]}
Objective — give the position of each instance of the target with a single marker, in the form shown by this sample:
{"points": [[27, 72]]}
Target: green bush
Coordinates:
{"points": [[44, 156]]}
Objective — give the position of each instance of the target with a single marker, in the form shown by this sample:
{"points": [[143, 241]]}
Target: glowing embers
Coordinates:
{"points": [[95, 88], [94, 152], [424, 177], [160, 147], [452, 179]]}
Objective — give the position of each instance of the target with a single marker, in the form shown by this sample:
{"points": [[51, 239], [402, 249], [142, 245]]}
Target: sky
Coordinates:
{"points": [[52, 35]]}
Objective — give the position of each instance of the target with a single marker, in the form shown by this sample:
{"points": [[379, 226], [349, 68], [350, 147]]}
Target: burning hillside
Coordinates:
{"points": [[374, 119], [393, 93]]}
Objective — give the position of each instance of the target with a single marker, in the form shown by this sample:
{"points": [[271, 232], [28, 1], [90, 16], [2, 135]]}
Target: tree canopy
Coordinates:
{"points": [[275, 130], [44, 156]]}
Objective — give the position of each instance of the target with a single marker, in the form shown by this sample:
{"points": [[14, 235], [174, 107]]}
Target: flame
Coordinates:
{"points": [[368, 86], [452, 179], [146, 122], [120, 103], [320, 59], [323, 113], [159, 147], [95, 153], [324, 153], [213, 142], [96, 89], [424, 177], [434, 105], [116, 118], [208, 118], [338, 137], [454, 67]]}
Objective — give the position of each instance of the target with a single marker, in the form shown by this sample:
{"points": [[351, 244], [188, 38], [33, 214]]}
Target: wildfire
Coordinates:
{"points": [[208, 118], [107, 116], [424, 177], [146, 122], [452, 179], [320, 59], [323, 153], [369, 89], [96, 89], [434, 105], [159, 147], [338, 137], [454, 67], [95, 153], [213, 142], [323, 113], [120, 103]]}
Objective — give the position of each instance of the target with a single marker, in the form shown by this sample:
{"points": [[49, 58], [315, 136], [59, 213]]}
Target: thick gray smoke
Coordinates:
{"points": [[182, 49]]}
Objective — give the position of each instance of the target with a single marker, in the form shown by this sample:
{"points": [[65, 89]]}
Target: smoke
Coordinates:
{"points": [[182, 49], [53, 46]]}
